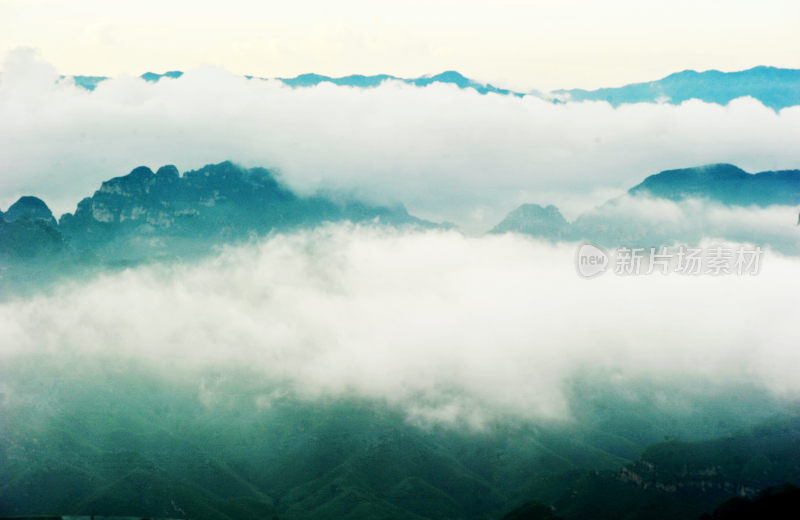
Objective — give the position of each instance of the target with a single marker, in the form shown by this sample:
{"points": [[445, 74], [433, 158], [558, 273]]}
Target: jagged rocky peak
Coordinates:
{"points": [[225, 170], [167, 185], [137, 182], [139, 173], [31, 208], [169, 172], [214, 194], [533, 219]]}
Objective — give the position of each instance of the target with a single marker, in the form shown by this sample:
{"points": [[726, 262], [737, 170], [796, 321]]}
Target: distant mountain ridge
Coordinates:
{"points": [[448, 77], [724, 183], [607, 224], [776, 88], [354, 80]]}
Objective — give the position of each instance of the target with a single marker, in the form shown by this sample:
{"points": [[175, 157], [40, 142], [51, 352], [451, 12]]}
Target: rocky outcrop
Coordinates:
{"points": [[145, 215], [217, 202], [738, 465], [31, 208], [28, 231]]}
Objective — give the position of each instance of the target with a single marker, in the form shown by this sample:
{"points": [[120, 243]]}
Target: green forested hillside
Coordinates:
{"points": [[121, 441]]}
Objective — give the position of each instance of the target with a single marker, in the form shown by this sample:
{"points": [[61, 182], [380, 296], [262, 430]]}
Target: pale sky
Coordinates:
{"points": [[516, 43]]}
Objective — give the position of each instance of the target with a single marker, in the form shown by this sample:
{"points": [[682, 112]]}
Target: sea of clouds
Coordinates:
{"points": [[447, 154], [445, 326]]}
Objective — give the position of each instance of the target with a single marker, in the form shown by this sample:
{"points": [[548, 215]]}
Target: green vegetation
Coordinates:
{"points": [[114, 439]]}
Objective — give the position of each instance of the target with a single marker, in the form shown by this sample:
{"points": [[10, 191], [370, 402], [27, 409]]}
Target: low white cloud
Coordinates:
{"points": [[448, 154], [438, 323], [653, 221]]}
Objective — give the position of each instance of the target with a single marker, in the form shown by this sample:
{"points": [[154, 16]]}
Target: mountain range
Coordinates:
{"points": [[163, 215], [726, 184], [615, 223], [774, 87], [132, 443]]}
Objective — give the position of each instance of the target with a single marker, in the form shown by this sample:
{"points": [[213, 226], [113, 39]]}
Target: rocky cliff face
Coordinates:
{"points": [[212, 200], [681, 480], [217, 202], [146, 215], [718, 469]]}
